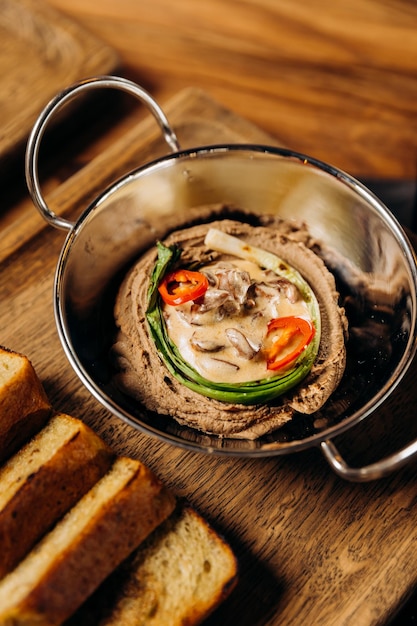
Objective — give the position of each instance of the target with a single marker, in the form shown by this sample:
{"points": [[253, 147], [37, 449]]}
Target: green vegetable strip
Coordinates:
{"points": [[166, 258], [251, 392]]}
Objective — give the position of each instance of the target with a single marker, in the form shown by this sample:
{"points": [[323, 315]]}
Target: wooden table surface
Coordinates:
{"points": [[335, 80]]}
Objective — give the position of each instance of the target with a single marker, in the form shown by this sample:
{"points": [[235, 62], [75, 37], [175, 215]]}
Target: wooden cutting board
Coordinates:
{"points": [[312, 548], [41, 52]]}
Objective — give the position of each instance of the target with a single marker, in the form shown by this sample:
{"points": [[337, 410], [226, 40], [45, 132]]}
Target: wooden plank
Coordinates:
{"points": [[41, 52], [313, 549], [197, 120], [332, 79]]}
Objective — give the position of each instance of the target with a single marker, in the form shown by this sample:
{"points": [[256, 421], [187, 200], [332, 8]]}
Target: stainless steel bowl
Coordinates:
{"points": [[133, 213]]}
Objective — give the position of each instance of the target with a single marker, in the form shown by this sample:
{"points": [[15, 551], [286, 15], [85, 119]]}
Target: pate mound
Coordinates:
{"points": [[142, 375]]}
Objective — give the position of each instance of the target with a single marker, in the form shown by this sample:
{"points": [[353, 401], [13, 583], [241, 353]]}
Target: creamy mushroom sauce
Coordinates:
{"points": [[223, 335]]}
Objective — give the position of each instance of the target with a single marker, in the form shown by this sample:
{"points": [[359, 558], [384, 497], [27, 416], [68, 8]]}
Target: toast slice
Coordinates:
{"points": [[43, 480], [179, 575], [92, 539], [24, 407]]}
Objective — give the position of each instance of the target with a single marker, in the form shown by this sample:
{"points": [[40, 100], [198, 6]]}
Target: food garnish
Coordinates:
{"points": [[227, 244], [181, 286], [294, 336], [291, 342]]}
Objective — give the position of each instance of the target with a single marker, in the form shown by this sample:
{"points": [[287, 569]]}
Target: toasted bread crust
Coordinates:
{"points": [[43, 480], [103, 528], [24, 406], [71, 515], [178, 576]]}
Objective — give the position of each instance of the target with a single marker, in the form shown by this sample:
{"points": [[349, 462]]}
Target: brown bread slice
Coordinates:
{"points": [[24, 407], [179, 575], [43, 480], [93, 538]]}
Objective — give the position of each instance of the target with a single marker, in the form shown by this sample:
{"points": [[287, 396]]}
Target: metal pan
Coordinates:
{"points": [[133, 213]]}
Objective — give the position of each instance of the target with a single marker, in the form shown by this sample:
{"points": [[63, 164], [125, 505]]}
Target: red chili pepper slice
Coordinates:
{"points": [[182, 286], [295, 333]]}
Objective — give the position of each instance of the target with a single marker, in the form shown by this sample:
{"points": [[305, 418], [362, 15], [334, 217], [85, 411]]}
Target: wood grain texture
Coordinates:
{"points": [[41, 52], [312, 548], [332, 79], [197, 120]]}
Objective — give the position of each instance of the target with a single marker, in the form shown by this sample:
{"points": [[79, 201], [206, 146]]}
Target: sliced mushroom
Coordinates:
{"points": [[267, 290], [292, 293], [236, 283], [286, 287], [205, 345], [212, 299], [229, 364], [211, 277], [241, 343]]}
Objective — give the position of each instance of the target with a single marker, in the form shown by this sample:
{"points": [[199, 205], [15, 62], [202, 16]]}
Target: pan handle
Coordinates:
{"points": [[57, 103], [379, 469]]}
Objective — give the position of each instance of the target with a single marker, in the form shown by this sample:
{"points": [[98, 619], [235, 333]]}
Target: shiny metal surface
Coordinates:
{"points": [[400, 196], [373, 471], [50, 111], [130, 216]]}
